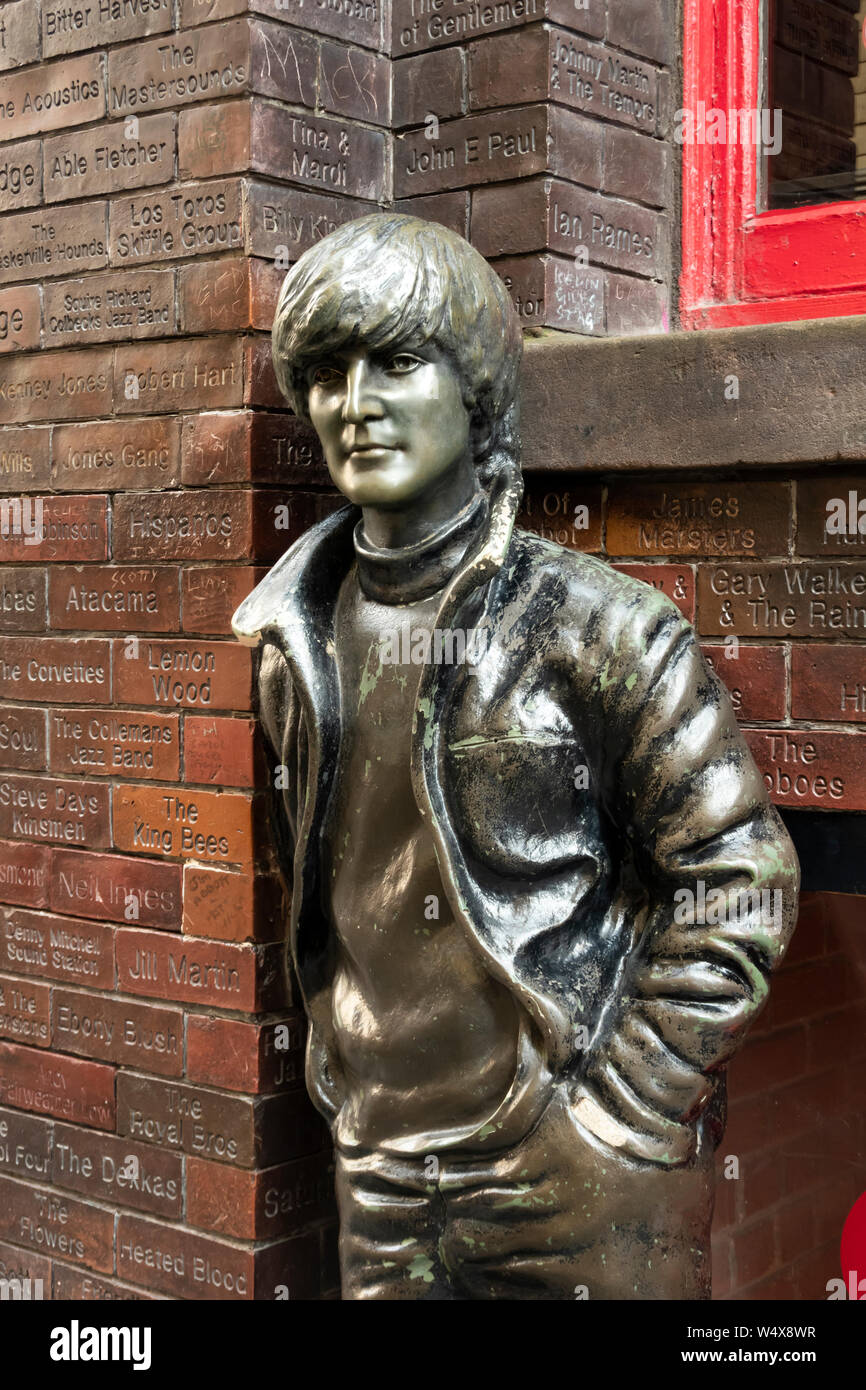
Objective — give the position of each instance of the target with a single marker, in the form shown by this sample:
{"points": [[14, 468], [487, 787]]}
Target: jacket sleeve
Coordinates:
{"points": [[721, 878]]}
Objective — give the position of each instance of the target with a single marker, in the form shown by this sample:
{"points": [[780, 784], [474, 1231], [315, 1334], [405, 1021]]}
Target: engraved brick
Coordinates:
{"points": [[676, 581], [232, 906], [755, 677], [122, 741], [643, 26], [287, 221], [117, 1171], [260, 382], [23, 744], [50, 1084], [21, 170], [429, 84], [42, 1219], [55, 811], [237, 1055], [453, 22], [828, 683], [251, 446], [552, 292], [55, 528], [451, 209], [59, 948], [274, 1202], [25, 1150], [831, 515], [202, 675], [113, 597], [636, 306], [22, 600], [216, 973], [318, 152], [108, 308], [357, 23], [540, 214], [54, 242], [215, 296], [137, 891], [66, 29], [499, 145], [24, 459], [181, 1263], [115, 454], [783, 600], [169, 72], [116, 1030], [23, 1264], [698, 519], [568, 515], [55, 386], [820, 31], [20, 318], [109, 158], [19, 35], [80, 1286], [24, 873], [192, 220], [30, 99], [810, 767], [211, 826], [214, 139], [355, 83], [224, 752], [210, 596], [636, 166], [204, 524], [214, 1125], [283, 63], [55, 670], [178, 375], [546, 64], [280, 518], [25, 1011]]}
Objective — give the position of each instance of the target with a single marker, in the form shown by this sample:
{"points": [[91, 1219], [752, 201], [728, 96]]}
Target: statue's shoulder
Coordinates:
{"points": [[583, 579], [293, 585]]}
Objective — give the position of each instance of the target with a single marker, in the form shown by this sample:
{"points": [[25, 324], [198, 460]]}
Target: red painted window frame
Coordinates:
{"points": [[741, 266]]}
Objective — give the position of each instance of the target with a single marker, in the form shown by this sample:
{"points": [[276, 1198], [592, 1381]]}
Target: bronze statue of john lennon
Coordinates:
{"points": [[531, 873]]}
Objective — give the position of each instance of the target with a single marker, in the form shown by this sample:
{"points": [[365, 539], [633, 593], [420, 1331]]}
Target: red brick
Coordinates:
{"points": [[192, 525], [46, 1220], [754, 1251], [722, 1247], [428, 83], [48, 1084], [127, 890], [819, 502], [451, 209], [24, 457], [105, 159], [116, 1030], [20, 318], [56, 528], [203, 825], [200, 675], [241, 1056], [550, 291], [59, 241], [754, 676], [222, 974], [114, 454], [827, 683], [88, 105], [770, 1061], [25, 1011], [138, 81], [777, 600], [353, 162], [246, 446], [211, 595], [114, 597], [676, 581], [228, 295], [83, 311], [251, 1206], [55, 386], [837, 1035], [23, 606], [190, 1266], [356, 83], [698, 518], [61, 812], [177, 375], [78, 1286], [24, 873], [221, 751], [122, 741], [20, 37], [552, 511], [59, 948], [748, 1128], [811, 767], [23, 1264], [232, 906], [98, 1165], [214, 139], [25, 1150], [23, 173], [23, 742]]}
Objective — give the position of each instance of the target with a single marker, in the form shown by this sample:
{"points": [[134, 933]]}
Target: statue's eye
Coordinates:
{"points": [[403, 362], [324, 375]]}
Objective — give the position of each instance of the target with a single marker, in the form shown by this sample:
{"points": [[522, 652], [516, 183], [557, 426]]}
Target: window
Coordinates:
{"points": [[773, 133]]}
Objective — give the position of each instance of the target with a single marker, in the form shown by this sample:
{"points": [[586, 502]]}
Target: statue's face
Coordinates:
{"points": [[392, 424]]}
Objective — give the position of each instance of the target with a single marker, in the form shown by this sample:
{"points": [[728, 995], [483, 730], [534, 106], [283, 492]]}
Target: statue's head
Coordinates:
{"points": [[401, 345]]}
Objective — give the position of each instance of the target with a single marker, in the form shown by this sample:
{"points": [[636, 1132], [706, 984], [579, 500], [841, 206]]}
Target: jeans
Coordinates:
{"points": [[558, 1216]]}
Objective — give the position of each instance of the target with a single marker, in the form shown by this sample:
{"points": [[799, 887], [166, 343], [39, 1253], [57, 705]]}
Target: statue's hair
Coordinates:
{"points": [[388, 280]]}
